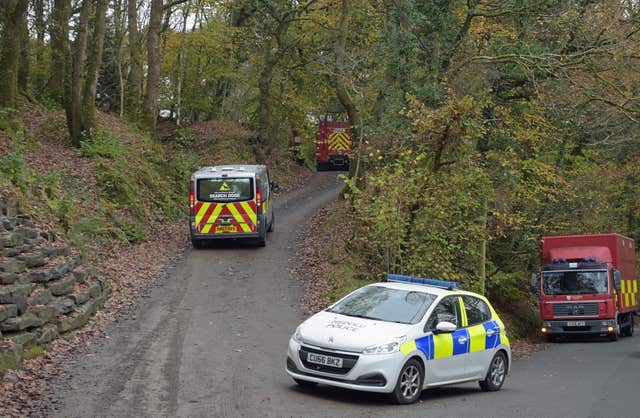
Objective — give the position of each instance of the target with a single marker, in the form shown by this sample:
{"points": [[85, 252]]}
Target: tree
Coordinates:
{"points": [[13, 12]]}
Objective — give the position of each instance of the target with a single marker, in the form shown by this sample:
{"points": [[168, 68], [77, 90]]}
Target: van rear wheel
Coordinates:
{"points": [[197, 243], [273, 220]]}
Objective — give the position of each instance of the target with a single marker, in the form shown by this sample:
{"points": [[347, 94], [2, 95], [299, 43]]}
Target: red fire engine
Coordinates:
{"points": [[587, 285], [333, 145]]}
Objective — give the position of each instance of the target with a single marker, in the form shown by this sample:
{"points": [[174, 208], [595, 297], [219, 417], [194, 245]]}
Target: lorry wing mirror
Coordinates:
{"points": [[534, 283], [616, 279]]}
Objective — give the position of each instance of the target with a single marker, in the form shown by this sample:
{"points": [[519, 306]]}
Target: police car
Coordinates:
{"points": [[400, 337]]}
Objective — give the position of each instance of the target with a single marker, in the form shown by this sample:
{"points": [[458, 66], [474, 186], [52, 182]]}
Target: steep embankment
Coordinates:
{"points": [[80, 224]]}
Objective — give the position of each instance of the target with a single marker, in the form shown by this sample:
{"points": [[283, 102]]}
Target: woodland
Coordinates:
{"points": [[479, 125]]}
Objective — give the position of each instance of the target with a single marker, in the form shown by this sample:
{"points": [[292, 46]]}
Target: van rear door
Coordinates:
{"points": [[225, 206]]}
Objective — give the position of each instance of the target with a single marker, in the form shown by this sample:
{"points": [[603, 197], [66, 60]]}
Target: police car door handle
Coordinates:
{"points": [[490, 332], [462, 340]]}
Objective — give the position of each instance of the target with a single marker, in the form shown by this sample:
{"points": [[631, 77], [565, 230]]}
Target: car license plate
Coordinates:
{"points": [[576, 323], [226, 228], [324, 360]]}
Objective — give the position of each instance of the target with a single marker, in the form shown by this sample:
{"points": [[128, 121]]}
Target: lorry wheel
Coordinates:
{"points": [[496, 374], [627, 330]]}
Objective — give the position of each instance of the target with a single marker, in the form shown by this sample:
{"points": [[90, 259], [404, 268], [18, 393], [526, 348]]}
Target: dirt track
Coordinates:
{"points": [[210, 340]]}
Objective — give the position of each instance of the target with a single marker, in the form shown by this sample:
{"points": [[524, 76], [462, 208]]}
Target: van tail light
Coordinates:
{"points": [[258, 197], [192, 197]]}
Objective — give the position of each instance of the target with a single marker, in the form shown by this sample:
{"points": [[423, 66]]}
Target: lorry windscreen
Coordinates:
{"points": [[574, 282], [225, 189]]}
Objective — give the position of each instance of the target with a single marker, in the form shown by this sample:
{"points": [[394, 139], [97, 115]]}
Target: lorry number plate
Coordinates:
{"points": [[324, 360], [576, 323]]}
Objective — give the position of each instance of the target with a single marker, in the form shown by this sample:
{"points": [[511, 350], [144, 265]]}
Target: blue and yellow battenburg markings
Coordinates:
{"points": [[485, 336]]}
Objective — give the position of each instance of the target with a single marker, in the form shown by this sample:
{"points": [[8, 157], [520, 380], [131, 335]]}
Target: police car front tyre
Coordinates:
{"points": [[496, 374], [409, 385]]}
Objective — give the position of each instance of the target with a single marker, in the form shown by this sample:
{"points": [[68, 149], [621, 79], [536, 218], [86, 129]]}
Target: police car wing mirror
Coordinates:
{"points": [[275, 187], [444, 327]]}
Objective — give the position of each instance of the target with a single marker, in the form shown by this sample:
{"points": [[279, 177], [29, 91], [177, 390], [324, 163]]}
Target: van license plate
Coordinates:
{"points": [[226, 228], [324, 360], [576, 323]]}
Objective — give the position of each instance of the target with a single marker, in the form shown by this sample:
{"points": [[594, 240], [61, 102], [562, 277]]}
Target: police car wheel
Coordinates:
{"points": [[409, 385], [305, 383], [496, 374]]}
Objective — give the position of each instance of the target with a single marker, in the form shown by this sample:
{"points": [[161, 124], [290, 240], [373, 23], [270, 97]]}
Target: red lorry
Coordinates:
{"points": [[333, 145], [587, 285]]}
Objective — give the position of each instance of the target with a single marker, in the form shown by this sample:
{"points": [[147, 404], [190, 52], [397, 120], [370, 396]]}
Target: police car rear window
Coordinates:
{"points": [[225, 189]]}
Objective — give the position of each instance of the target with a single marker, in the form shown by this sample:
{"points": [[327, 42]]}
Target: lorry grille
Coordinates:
{"points": [[575, 309], [348, 361]]}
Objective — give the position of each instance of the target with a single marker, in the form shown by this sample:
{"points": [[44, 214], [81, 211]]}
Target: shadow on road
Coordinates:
{"points": [[353, 397], [229, 244]]}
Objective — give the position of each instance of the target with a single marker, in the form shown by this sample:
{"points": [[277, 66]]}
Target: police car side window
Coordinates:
{"points": [[476, 309], [447, 310]]}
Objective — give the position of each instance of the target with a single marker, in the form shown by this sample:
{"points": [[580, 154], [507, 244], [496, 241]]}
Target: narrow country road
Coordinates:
{"points": [[210, 340]]}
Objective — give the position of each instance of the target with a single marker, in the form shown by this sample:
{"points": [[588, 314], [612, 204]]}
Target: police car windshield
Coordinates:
{"points": [[385, 304], [574, 282], [225, 189]]}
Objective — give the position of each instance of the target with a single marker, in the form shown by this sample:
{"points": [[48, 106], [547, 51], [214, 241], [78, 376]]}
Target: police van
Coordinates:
{"points": [[231, 201]]}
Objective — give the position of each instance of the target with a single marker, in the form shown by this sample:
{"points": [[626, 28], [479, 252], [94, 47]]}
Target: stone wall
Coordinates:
{"points": [[45, 291]]}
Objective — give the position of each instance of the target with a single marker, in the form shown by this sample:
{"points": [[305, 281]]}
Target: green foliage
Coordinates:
{"points": [[134, 190], [12, 165]]}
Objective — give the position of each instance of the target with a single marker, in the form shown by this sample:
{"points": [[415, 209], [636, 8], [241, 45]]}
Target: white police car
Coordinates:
{"points": [[400, 337]]}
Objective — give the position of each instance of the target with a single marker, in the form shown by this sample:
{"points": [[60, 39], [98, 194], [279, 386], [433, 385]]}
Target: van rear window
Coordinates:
{"points": [[225, 190]]}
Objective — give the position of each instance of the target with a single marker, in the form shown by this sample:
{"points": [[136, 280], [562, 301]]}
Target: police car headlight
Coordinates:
{"points": [[389, 347], [297, 336]]}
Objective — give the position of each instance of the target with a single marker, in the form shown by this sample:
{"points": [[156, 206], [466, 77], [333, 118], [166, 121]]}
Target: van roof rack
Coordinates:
{"points": [[443, 284]]}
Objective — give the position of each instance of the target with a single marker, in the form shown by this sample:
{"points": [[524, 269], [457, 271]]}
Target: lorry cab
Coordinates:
{"points": [[588, 285], [230, 202]]}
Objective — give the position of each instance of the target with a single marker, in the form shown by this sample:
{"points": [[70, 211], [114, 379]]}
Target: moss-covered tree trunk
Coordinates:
{"points": [[342, 90], [150, 107], [93, 69], [14, 12], [59, 82], [74, 106], [134, 80]]}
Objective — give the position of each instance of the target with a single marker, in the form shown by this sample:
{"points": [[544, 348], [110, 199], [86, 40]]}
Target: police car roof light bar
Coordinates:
{"points": [[444, 284]]}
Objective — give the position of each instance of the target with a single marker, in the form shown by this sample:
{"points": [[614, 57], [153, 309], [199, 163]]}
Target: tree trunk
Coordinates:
{"points": [[342, 90], [153, 62], [58, 86], [25, 59], [182, 63], [40, 26], [74, 108], [13, 11], [134, 80], [264, 99], [93, 69]]}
